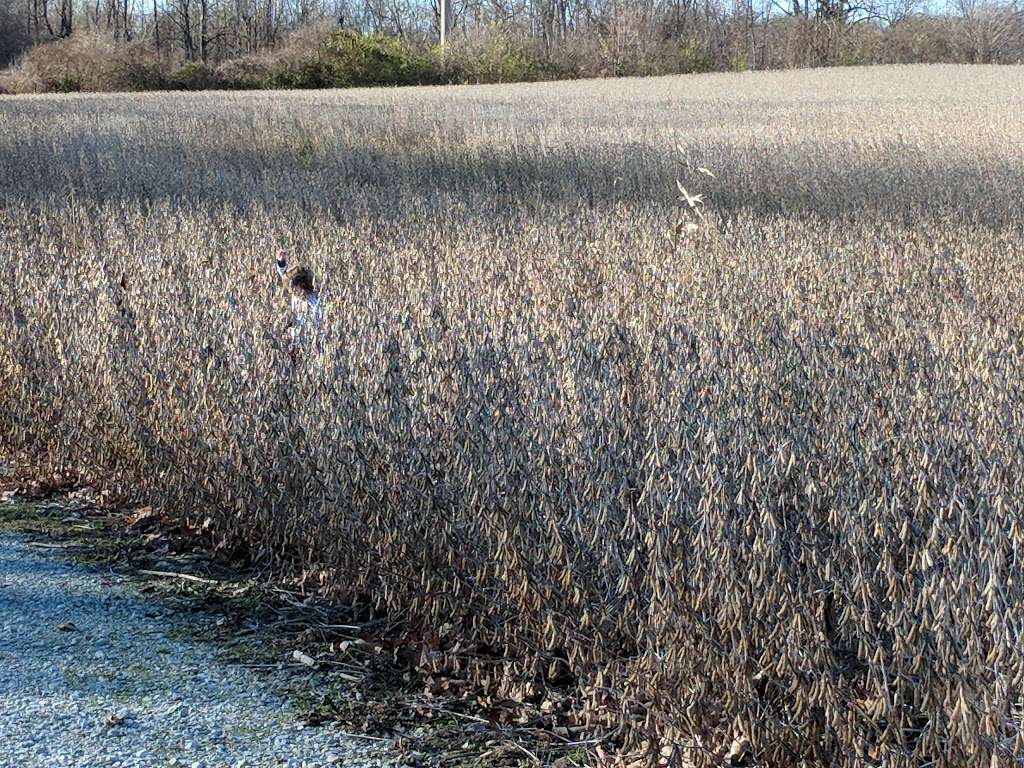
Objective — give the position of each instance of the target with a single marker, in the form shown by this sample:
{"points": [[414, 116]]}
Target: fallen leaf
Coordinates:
{"points": [[138, 515]]}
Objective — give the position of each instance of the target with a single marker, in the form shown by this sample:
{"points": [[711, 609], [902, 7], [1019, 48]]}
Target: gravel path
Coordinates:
{"points": [[124, 689]]}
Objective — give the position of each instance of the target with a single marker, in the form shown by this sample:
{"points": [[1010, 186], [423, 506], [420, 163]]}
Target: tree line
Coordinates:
{"points": [[734, 33]]}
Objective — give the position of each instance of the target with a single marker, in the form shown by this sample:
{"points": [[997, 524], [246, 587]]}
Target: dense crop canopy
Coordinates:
{"points": [[757, 479]]}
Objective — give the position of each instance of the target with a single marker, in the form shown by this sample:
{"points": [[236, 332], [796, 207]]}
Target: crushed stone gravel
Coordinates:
{"points": [[94, 675]]}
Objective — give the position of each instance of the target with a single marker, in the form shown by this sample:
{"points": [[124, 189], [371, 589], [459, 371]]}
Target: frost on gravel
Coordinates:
{"points": [[92, 675]]}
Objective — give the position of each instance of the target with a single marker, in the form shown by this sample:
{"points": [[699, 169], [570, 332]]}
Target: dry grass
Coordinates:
{"points": [[760, 482]]}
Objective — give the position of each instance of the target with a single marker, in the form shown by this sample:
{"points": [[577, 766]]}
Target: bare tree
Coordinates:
{"points": [[991, 31], [67, 11]]}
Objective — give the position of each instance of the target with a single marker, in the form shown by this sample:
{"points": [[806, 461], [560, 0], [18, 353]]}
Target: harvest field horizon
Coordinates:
{"points": [[695, 398]]}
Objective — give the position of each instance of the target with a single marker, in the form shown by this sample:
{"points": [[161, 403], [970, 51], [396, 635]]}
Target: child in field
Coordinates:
{"points": [[304, 324]]}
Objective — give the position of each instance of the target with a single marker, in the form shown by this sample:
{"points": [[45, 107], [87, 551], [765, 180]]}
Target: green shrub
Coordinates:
{"points": [[192, 76], [739, 62], [347, 59], [694, 57], [490, 57], [66, 84], [141, 75], [307, 74]]}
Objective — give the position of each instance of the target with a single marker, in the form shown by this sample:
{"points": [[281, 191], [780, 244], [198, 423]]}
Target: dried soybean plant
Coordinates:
{"points": [[692, 218], [754, 499]]}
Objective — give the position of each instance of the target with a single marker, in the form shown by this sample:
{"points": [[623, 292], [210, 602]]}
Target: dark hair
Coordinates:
{"points": [[301, 279]]}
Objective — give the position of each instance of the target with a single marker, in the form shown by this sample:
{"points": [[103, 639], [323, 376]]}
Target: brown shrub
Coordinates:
{"points": [[86, 61]]}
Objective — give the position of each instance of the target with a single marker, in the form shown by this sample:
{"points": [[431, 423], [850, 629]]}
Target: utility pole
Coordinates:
{"points": [[446, 20]]}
